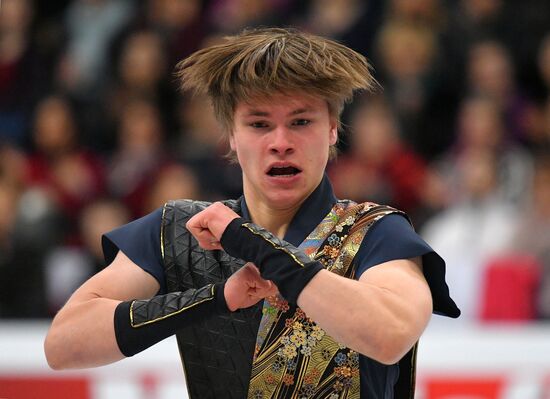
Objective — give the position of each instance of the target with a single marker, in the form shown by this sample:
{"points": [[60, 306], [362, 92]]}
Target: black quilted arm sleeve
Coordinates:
{"points": [[279, 261], [142, 323]]}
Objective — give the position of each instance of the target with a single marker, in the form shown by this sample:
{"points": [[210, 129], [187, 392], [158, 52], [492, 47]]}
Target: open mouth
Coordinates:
{"points": [[283, 171]]}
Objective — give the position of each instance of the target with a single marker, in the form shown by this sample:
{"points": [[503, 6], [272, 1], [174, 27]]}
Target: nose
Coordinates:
{"points": [[281, 141]]}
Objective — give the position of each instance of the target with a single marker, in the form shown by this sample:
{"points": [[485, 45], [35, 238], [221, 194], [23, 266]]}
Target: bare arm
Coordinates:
{"points": [[381, 316], [82, 333]]}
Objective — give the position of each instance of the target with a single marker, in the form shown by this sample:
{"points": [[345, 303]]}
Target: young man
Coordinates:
{"points": [[348, 287]]}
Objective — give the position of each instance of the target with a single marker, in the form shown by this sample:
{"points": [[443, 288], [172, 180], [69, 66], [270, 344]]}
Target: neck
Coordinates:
{"points": [[274, 220]]}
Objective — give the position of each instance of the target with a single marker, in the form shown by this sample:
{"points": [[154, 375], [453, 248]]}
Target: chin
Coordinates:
{"points": [[286, 200]]}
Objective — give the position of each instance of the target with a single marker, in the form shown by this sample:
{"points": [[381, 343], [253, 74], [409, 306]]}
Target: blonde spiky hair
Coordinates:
{"points": [[258, 63]]}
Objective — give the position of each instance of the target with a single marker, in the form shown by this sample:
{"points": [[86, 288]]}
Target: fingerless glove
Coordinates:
{"points": [[279, 261]]}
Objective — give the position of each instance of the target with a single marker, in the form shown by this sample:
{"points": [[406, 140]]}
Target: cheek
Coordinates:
{"points": [[247, 155]]}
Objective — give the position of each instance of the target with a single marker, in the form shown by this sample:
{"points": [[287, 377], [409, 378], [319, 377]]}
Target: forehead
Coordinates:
{"points": [[280, 103]]}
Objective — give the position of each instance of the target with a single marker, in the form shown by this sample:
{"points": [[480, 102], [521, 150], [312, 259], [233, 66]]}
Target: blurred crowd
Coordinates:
{"points": [[94, 133]]}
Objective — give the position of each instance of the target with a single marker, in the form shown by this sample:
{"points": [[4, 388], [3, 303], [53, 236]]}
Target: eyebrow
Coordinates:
{"points": [[256, 112]]}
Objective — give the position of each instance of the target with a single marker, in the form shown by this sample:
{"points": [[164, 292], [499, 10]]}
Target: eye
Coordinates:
{"points": [[258, 125], [301, 122]]}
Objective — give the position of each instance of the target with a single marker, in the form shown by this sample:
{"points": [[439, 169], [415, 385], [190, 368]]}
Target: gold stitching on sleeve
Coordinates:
{"points": [[247, 225], [132, 313], [162, 231], [170, 314]]}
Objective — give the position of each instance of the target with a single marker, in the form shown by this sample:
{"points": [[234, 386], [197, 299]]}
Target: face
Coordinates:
{"points": [[282, 145]]}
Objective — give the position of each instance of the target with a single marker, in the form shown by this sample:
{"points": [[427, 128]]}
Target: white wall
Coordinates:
{"points": [[516, 356]]}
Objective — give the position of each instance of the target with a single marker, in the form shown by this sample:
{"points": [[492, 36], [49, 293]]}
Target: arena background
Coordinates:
{"points": [[93, 133]]}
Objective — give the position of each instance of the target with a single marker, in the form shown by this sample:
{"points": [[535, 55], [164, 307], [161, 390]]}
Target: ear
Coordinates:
{"points": [[232, 142], [333, 134]]}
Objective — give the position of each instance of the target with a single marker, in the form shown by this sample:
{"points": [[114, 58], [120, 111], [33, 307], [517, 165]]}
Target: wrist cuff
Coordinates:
{"points": [[287, 266], [140, 324]]}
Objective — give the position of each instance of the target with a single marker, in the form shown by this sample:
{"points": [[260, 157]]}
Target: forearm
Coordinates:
{"points": [[380, 316], [140, 324], [99, 331], [82, 335], [372, 320]]}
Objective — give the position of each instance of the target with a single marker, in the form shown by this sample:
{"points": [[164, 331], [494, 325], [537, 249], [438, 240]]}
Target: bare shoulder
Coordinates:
{"points": [[121, 280]]}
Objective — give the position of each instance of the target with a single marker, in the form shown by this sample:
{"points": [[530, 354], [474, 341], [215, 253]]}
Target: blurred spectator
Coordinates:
{"points": [[353, 22], [469, 21], [36, 227], [9, 197], [67, 267], [172, 182], [90, 26], [490, 73], [142, 74], [485, 63], [533, 233], [11, 179], [379, 166], [179, 24], [405, 81], [545, 123], [139, 155], [481, 127], [428, 12], [8, 202], [408, 54], [230, 16], [142, 65], [477, 226], [201, 146], [64, 171], [12, 165], [24, 72], [538, 126], [543, 63]]}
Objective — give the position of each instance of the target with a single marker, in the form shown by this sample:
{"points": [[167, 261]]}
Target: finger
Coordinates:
{"points": [[263, 284], [273, 290], [268, 289], [252, 269], [206, 240], [205, 236], [197, 222], [263, 293], [252, 265]]}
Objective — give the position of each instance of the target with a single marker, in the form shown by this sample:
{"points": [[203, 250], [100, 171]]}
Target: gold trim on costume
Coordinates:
{"points": [[170, 314], [162, 232], [276, 246]]}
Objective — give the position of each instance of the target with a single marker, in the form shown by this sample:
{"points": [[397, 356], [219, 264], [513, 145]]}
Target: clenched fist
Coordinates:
{"points": [[246, 287], [208, 225]]}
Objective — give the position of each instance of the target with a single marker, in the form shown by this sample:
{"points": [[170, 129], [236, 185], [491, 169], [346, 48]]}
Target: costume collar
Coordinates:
{"points": [[311, 212]]}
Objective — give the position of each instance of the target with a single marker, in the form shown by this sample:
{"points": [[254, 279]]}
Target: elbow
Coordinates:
{"points": [[391, 355], [390, 347], [54, 363], [55, 352], [52, 356], [396, 338]]}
